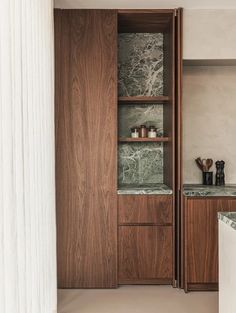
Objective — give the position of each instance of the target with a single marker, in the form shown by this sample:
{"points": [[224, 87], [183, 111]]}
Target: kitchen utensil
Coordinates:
{"points": [[207, 164], [207, 178], [204, 164], [199, 163]]}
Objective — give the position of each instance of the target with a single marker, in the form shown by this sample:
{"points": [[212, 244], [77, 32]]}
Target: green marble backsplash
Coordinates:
{"points": [[136, 115], [140, 73], [140, 163], [140, 64]]}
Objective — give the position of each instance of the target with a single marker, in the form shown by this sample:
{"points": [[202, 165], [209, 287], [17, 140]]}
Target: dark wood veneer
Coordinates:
{"points": [[143, 100], [145, 209], [145, 253], [203, 287], [178, 144], [86, 148], [201, 240], [169, 108], [86, 161], [148, 281], [144, 21], [156, 139]]}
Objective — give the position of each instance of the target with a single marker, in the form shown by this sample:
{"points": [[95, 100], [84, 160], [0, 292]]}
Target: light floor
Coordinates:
{"points": [[136, 299]]}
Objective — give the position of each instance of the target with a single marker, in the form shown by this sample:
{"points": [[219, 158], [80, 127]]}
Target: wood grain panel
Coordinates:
{"points": [[178, 145], [201, 239], [145, 209], [169, 107], [203, 287], [145, 253], [169, 118], [150, 281], [143, 100], [144, 21], [86, 148], [156, 139]]}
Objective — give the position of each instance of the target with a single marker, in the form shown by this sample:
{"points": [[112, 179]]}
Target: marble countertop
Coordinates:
{"points": [[228, 218], [194, 190], [150, 189]]}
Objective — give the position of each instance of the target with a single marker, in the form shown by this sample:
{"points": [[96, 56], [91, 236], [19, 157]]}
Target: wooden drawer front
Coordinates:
{"points": [[145, 253], [141, 209]]}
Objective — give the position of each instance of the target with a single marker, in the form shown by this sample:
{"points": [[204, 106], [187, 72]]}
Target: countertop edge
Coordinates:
{"points": [[222, 216], [212, 195], [144, 192], [195, 190]]}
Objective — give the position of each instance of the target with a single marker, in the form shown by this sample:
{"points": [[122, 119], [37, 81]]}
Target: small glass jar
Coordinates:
{"points": [[143, 131], [152, 132], [134, 132]]}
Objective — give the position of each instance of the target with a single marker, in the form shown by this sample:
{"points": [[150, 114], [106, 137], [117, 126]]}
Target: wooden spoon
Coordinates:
{"points": [[199, 163], [209, 163], [204, 164]]}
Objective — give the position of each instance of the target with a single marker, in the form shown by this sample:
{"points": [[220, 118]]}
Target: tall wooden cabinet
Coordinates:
{"points": [[86, 148], [147, 232], [105, 239]]}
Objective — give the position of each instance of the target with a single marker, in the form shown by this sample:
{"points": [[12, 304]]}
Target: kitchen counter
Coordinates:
{"points": [[194, 190], [150, 189], [229, 218]]}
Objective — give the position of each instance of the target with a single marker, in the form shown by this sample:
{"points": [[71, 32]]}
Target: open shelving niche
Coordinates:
{"points": [[145, 96]]}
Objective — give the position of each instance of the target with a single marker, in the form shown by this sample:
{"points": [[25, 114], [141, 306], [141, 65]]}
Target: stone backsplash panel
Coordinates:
{"points": [[140, 163], [140, 64], [140, 71], [136, 115]]}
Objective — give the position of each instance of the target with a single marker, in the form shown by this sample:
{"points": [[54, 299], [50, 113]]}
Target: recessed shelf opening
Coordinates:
{"points": [[145, 97]]}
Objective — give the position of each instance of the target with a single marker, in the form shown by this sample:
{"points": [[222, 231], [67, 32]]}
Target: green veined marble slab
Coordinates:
{"points": [[140, 163], [140, 64], [136, 115], [154, 189], [228, 218], [192, 190], [140, 71]]}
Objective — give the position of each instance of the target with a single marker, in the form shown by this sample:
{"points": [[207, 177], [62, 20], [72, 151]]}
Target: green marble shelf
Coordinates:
{"points": [[143, 100], [157, 139], [151, 189]]}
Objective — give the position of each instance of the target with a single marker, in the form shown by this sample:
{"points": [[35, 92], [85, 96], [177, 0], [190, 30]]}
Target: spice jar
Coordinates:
{"points": [[134, 132], [143, 131], [152, 132]]}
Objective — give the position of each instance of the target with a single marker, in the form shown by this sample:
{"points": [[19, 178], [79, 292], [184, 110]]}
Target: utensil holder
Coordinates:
{"points": [[207, 178]]}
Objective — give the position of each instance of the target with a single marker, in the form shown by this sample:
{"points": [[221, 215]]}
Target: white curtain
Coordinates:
{"points": [[27, 195]]}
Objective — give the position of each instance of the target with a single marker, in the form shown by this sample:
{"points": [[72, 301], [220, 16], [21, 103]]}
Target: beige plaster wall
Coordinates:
{"points": [[209, 34], [209, 115], [152, 4]]}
